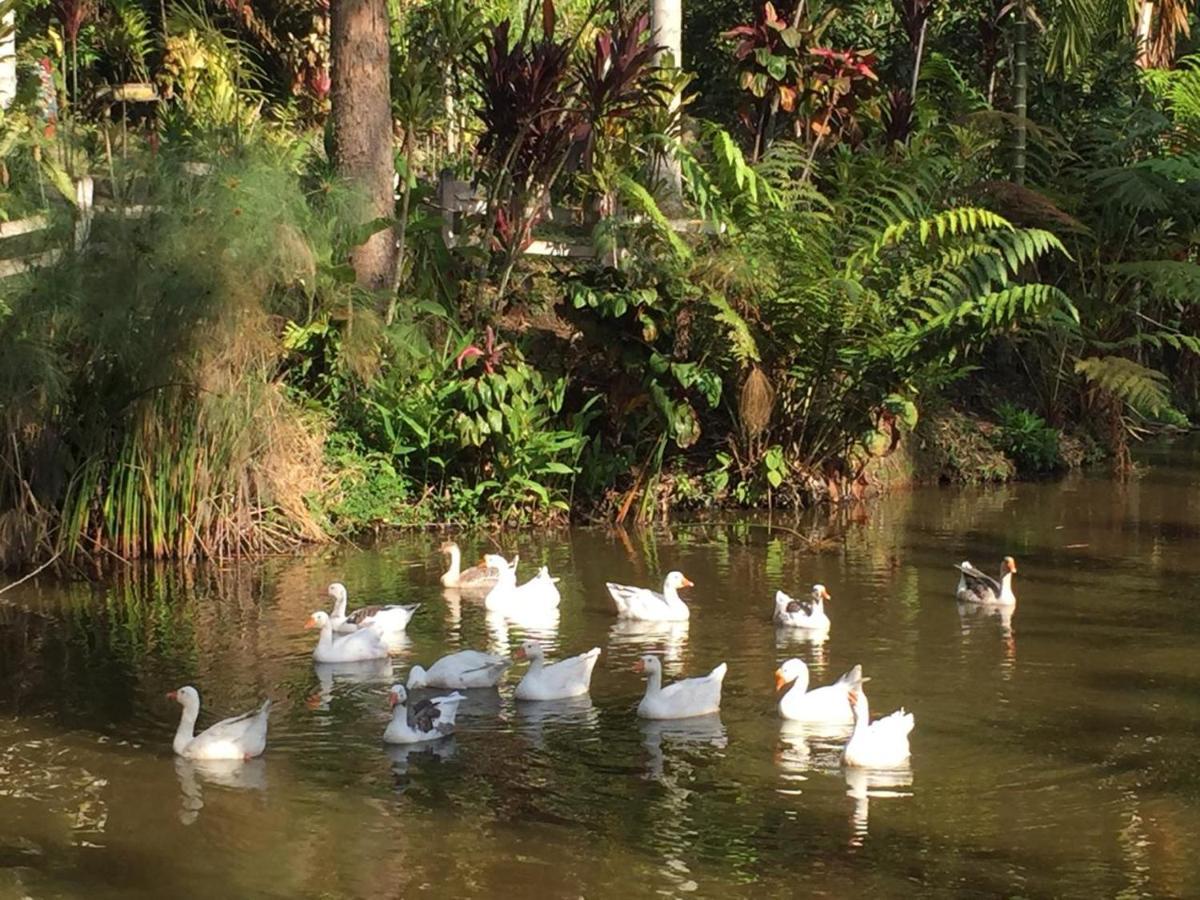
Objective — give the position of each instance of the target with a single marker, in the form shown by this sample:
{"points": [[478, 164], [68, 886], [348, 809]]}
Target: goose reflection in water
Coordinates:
{"points": [[696, 733], [635, 636], [407, 756], [863, 784], [814, 645], [453, 598], [367, 671], [536, 625], [236, 774], [805, 748], [533, 716], [981, 618]]}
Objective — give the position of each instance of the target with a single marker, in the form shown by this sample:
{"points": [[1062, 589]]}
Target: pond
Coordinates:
{"points": [[1057, 754]]}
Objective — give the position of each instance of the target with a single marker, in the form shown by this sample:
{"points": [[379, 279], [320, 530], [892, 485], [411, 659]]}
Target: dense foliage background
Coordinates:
{"points": [[845, 230]]}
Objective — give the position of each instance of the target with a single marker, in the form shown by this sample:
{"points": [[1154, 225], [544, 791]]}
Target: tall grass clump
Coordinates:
{"points": [[142, 401]]}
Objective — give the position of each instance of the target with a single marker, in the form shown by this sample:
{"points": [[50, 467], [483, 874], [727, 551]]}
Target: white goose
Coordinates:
{"points": [[241, 737], [353, 647], [383, 618], [976, 587], [651, 606], [537, 594], [480, 577], [808, 613], [554, 681], [828, 705], [464, 669], [685, 698], [882, 744], [425, 720]]}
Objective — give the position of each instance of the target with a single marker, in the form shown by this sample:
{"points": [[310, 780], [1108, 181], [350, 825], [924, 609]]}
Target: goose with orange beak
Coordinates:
{"points": [[476, 578], [538, 594], [685, 698], [828, 705], [425, 720], [882, 744], [240, 737], [806, 612], [354, 647], [645, 605], [571, 677], [976, 587]]}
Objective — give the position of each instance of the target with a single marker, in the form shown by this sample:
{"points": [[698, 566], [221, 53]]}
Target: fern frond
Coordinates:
{"points": [[1168, 278], [1143, 388], [636, 197]]}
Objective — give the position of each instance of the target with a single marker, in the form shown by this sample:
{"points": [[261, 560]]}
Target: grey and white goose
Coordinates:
{"points": [[425, 720], [976, 587]]}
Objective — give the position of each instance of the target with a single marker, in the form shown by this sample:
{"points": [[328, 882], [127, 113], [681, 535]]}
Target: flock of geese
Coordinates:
{"points": [[363, 634]]}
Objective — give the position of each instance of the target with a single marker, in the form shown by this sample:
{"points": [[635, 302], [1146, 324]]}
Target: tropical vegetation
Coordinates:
{"points": [[575, 279]]}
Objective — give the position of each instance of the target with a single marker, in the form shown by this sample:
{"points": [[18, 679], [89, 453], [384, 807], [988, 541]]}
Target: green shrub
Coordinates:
{"points": [[1026, 439]]}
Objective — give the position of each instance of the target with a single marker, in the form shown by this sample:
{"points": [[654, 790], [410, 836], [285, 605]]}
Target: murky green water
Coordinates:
{"points": [[1058, 758]]}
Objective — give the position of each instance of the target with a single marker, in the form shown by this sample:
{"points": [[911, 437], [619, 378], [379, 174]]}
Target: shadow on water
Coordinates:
{"points": [[1055, 750]]}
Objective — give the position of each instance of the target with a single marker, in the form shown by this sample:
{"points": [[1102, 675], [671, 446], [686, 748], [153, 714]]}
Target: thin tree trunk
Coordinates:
{"points": [[1020, 89], [1145, 21], [362, 127], [666, 23], [402, 228], [8, 58], [917, 60]]}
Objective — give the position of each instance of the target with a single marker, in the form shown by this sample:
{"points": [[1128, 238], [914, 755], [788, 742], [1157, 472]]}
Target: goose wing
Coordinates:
{"points": [[977, 581], [423, 715], [236, 727]]}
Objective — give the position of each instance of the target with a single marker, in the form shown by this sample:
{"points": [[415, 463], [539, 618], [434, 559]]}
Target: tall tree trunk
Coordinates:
{"points": [[8, 58], [362, 126], [1020, 89], [666, 25]]}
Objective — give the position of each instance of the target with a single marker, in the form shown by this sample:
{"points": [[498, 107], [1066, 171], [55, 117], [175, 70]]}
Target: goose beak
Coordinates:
{"points": [[312, 701], [311, 623], [825, 595], [483, 561], [780, 681], [172, 695], [687, 582], [392, 700], [639, 666], [519, 653]]}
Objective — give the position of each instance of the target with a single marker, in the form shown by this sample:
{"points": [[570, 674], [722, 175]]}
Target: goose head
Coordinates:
{"points": [[449, 548], [318, 620], [397, 695], [676, 580], [417, 677], [648, 664], [337, 593], [1008, 566], [187, 697], [531, 650], [790, 671], [819, 594]]}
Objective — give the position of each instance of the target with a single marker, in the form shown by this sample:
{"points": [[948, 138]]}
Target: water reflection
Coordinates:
{"points": [[535, 718], [540, 626], [806, 748], [813, 644], [629, 639], [679, 734], [987, 618], [406, 756], [236, 774], [329, 675], [863, 784]]}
